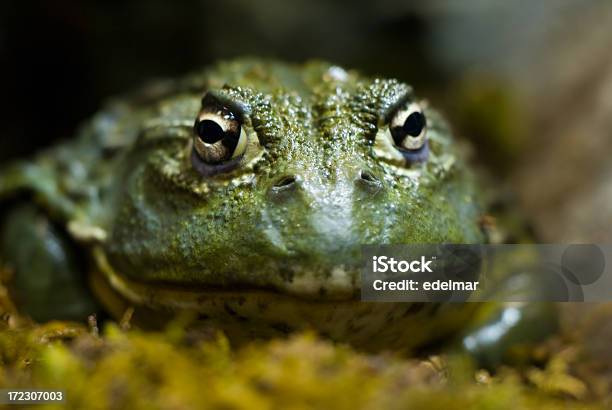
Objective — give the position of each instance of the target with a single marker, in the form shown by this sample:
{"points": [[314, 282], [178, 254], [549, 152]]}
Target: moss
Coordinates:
{"points": [[127, 368], [141, 370]]}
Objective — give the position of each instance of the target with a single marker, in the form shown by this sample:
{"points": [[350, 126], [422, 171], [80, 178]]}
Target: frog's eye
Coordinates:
{"points": [[408, 128], [219, 140], [218, 137]]}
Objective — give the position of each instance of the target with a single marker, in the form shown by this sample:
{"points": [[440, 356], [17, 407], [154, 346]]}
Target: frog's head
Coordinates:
{"points": [[274, 176]]}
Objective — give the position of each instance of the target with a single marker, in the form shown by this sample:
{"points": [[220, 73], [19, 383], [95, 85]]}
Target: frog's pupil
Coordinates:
{"points": [[209, 131], [230, 140], [414, 124]]}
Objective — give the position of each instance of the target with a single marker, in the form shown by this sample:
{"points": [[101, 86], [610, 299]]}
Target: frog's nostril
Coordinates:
{"points": [[368, 177], [285, 182], [284, 187], [368, 181]]}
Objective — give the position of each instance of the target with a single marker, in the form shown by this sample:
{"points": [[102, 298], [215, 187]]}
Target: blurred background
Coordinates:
{"points": [[530, 83]]}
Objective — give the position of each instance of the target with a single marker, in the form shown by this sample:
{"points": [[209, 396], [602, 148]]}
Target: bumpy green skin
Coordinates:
{"points": [[126, 185], [171, 224]]}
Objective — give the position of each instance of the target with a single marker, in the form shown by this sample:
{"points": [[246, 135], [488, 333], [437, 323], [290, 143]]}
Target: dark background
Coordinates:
{"points": [[61, 59]]}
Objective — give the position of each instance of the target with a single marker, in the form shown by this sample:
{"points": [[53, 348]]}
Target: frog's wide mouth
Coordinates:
{"points": [[193, 296], [245, 315]]}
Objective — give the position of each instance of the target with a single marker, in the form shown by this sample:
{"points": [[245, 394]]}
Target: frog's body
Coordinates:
{"points": [[260, 233]]}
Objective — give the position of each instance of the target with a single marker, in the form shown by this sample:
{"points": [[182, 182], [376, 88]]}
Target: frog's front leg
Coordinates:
{"points": [[48, 277], [503, 331]]}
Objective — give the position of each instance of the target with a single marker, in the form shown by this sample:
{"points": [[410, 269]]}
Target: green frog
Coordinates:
{"points": [[243, 193]]}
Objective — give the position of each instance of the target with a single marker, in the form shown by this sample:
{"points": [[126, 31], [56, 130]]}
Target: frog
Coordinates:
{"points": [[243, 193]]}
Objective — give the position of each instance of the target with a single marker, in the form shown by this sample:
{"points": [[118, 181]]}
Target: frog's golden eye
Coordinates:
{"points": [[218, 137], [408, 128], [402, 136]]}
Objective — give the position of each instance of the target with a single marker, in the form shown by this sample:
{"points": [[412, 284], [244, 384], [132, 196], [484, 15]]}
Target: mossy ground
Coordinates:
{"points": [[122, 368]]}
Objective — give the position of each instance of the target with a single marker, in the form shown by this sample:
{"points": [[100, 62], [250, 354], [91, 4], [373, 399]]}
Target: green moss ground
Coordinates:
{"points": [[132, 369]]}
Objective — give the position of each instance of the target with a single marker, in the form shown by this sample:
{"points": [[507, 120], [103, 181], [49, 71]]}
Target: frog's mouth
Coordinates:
{"points": [[194, 297], [245, 315]]}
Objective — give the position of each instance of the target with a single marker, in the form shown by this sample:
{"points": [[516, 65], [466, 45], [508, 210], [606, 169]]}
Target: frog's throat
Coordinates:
{"points": [[179, 297]]}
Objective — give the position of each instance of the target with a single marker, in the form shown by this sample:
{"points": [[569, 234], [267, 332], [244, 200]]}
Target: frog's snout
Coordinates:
{"points": [[363, 179], [322, 214]]}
